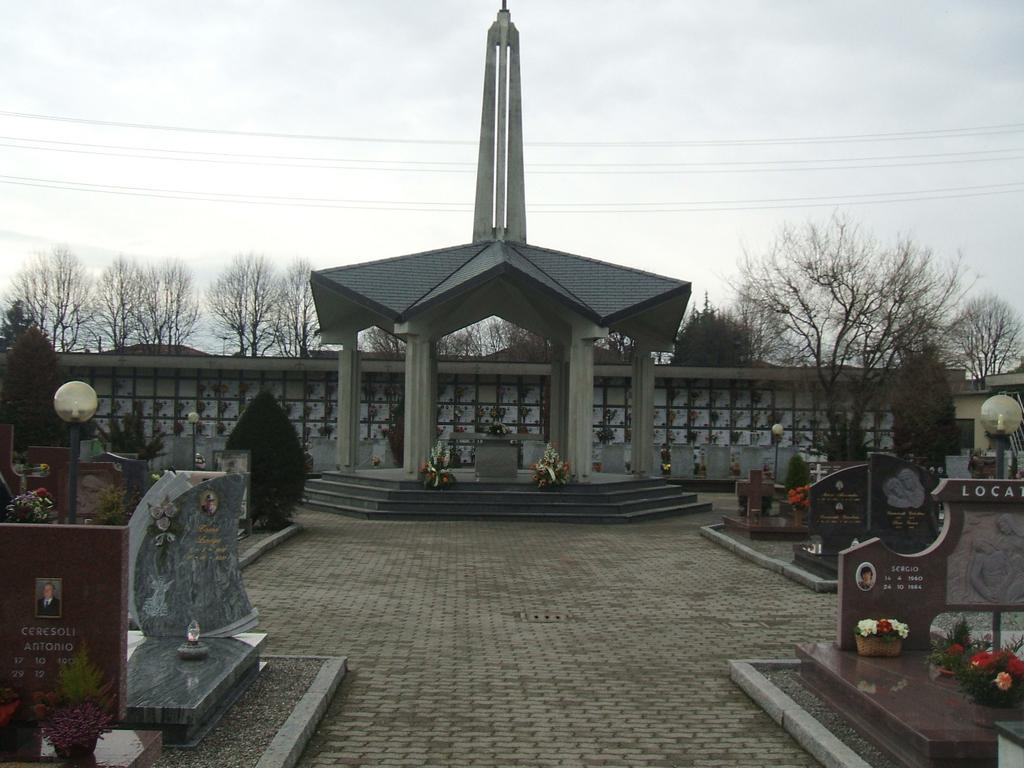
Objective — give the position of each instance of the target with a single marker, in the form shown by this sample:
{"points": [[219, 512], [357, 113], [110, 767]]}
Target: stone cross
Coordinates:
{"points": [[753, 490], [819, 471]]}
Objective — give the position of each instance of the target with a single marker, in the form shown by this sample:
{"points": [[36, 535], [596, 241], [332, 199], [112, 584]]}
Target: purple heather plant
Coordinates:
{"points": [[76, 726]]}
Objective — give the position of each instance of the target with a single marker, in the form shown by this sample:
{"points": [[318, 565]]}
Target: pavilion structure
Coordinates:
{"points": [[570, 300]]}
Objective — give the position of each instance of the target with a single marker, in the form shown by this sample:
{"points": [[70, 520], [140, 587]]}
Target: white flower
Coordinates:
{"points": [[867, 627], [901, 629]]}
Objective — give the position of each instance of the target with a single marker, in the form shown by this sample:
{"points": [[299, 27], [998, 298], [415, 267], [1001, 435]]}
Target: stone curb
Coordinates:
{"points": [[794, 719], [790, 571], [292, 737], [271, 542]]}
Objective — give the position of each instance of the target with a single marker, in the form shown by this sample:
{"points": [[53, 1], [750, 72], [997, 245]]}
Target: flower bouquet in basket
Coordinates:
{"points": [[993, 678], [435, 471], [551, 471], [32, 507], [880, 637]]}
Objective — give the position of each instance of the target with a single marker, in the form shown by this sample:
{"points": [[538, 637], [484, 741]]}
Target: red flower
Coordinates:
{"points": [[42, 493], [983, 659], [1015, 667], [884, 626], [955, 649]]}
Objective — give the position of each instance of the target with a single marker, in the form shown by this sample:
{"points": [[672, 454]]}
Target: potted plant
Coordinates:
{"points": [[880, 637], [550, 472], [79, 712]]}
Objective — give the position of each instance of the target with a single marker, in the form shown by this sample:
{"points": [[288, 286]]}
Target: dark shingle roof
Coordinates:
{"points": [[402, 287]]}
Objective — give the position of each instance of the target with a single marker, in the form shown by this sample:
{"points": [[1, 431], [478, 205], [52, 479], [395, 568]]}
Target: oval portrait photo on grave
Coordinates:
{"points": [[865, 577], [48, 594], [208, 503]]}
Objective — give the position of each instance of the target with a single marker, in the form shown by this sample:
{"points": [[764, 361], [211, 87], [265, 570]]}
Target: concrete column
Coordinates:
{"points": [[419, 412], [558, 391], [433, 393], [349, 395], [579, 437], [642, 425]]}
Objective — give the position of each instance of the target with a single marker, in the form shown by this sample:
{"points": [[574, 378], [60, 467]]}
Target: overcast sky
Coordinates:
{"points": [[692, 96]]}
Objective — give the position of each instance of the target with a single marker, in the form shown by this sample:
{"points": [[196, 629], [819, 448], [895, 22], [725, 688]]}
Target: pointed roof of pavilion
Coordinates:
{"points": [[396, 290]]}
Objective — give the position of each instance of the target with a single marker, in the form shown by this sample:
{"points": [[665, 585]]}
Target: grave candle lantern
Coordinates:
{"points": [[192, 649]]}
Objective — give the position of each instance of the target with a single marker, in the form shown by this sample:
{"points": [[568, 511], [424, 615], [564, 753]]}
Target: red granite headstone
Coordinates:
{"points": [[93, 477], [976, 564], [63, 587], [752, 490]]}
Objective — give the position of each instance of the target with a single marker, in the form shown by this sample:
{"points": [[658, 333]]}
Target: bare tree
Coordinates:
{"points": [[296, 329], [986, 336], [168, 309], [852, 309], [381, 343], [118, 302], [56, 290], [244, 301]]}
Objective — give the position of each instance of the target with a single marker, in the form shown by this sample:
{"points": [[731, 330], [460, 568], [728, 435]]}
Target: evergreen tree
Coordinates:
{"points": [[31, 380], [924, 416], [710, 337], [798, 474], [16, 321], [278, 472]]}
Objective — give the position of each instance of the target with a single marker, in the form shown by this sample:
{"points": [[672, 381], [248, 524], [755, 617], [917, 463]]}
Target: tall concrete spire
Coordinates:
{"points": [[500, 212]]}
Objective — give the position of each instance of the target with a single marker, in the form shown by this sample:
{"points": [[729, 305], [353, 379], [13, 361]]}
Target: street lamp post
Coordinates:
{"points": [[193, 419], [1000, 417], [75, 402], [777, 431]]}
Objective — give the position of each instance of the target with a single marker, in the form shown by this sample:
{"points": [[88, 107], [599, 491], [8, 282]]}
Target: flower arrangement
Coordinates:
{"points": [[605, 434], [32, 507], [880, 637], [497, 428], [993, 678], [435, 471], [952, 651], [551, 471], [799, 498]]}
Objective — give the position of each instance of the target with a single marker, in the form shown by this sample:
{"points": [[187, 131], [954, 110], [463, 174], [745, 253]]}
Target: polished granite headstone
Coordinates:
{"points": [[496, 459], [839, 509], [184, 699], [84, 570], [184, 557], [902, 512], [134, 472], [718, 462]]}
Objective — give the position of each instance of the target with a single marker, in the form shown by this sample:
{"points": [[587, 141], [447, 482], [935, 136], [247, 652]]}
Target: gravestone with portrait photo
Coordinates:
{"points": [[184, 557], [976, 564], [888, 497]]}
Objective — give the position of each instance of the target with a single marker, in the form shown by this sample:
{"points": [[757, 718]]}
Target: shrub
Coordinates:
{"points": [[277, 472], [798, 474], [111, 509], [127, 435]]}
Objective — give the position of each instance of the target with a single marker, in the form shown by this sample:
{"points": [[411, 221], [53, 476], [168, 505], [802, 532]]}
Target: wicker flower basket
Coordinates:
{"points": [[877, 646]]}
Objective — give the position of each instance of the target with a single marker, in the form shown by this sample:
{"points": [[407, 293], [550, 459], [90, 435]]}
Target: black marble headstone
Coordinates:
{"points": [[903, 514], [839, 509]]}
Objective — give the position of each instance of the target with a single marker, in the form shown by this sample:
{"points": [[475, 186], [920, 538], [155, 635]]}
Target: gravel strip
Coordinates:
{"points": [[788, 681], [239, 740]]}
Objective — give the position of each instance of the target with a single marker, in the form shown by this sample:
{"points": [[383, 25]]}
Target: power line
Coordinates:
{"points": [[599, 168], [934, 133], [560, 208]]}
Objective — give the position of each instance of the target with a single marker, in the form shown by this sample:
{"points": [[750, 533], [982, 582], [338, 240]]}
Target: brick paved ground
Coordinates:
{"points": [[444, 672]]}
